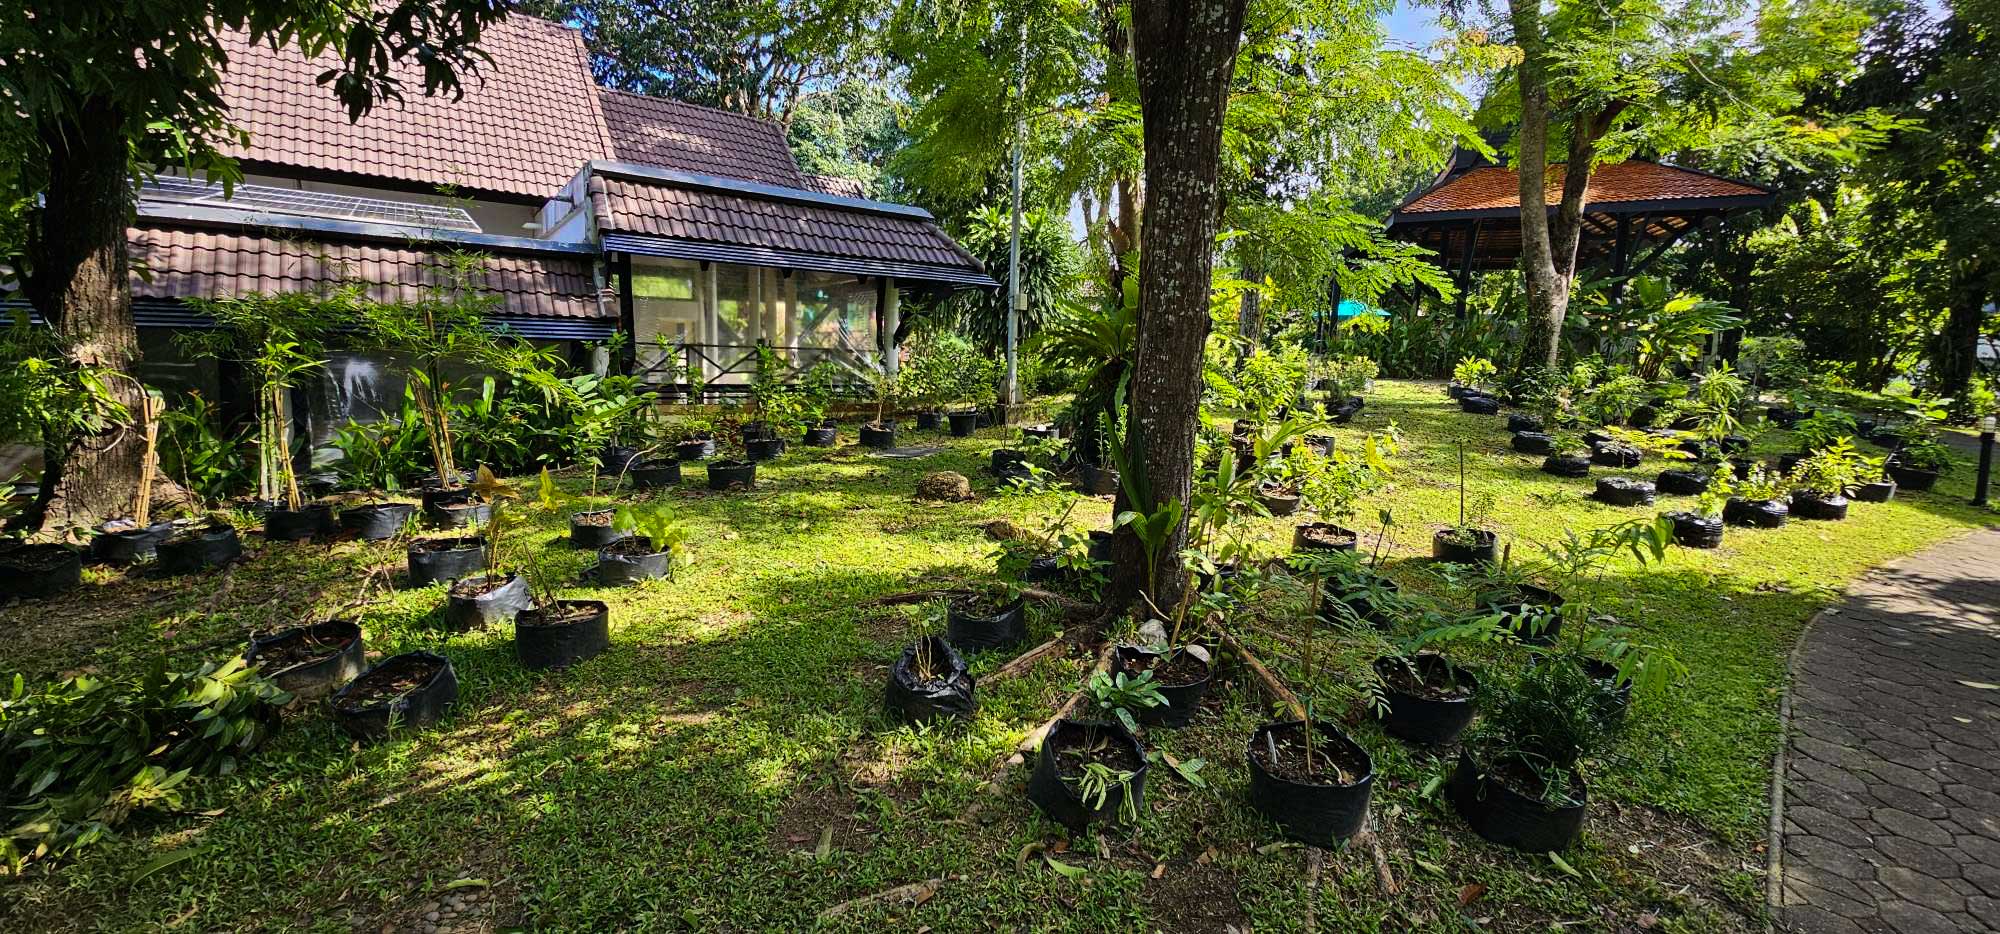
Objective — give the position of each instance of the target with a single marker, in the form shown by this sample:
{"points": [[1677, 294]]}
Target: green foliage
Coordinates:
{"points": [[1762, 485], [196, 453], [1345, 376], [46, 399], [80, 756], [1475, 373], [1550, 719], [1050, 266], [1120, 694], [1823, 428], [658, 525]]}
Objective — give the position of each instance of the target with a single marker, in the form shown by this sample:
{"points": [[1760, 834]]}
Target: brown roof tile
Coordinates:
{"points": [[688, 138], [527, 122], [206, 263], [632, 206], [837, 185], [1496, 187]]}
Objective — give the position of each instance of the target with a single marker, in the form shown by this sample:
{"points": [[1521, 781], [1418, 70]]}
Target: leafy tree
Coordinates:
{"points": [[1050, 264], [1938, 180], [1599, 82], [755, 57], [849, 131], [100, 91]]}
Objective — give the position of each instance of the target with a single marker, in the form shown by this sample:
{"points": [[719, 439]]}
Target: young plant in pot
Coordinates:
{"points": [[1417, 693], [1470, 540], [1089, 772], [1281, 467], [487, 593], [1057, 555], [1097, 475], [279, 341], [734, 472], [1819, 431], [1821, 483], [1332, 485], [1758, 500], [553, 632], [651, 544], [1920, 459], [1473, 376], [312, 661], [1306, 775], [1570, 454], [881, 433], [930, 681], [694, 439], [1702, 526]]}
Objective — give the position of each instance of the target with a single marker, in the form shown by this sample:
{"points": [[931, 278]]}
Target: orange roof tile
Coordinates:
{"points": [[1497, 188]]}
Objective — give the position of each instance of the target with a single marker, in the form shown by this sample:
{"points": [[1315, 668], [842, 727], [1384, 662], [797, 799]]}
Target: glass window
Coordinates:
{"points": [[666, 313], [834, 318]]}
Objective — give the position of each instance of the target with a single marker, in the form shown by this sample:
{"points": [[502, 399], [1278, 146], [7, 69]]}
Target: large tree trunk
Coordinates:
{"points": [[1955, 354], [1186, 54], [1546, 292], [78, 282]]}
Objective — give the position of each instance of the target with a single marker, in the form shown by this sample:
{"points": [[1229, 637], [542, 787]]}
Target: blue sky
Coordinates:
{"points": [[1412, 24]]}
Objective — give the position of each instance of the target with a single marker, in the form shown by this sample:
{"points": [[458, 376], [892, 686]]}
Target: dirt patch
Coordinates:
{"points": [[1193, 897], [822, 814]]}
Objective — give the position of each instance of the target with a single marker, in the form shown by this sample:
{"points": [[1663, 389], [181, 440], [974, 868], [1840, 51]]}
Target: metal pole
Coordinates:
{"points": [[1985, 464], [1016, 302]]}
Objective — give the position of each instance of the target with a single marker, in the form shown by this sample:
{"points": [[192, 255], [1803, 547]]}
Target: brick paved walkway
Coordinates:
{"points": [[1891, 793]]}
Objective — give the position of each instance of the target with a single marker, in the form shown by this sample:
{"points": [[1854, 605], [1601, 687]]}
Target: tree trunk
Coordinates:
{"points": [[1121, 233], [1185, 53], [78, 281], [1955, 355], [1546, 293]]}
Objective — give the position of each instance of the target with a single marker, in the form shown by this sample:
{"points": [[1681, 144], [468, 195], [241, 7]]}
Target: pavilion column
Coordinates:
{"points": [[1464, 277], [892, 321]]}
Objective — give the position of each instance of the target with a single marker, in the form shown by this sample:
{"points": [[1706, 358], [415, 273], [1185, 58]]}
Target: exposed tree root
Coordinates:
{"points": [[1026, 660], [1273, 687], [915, 893]]}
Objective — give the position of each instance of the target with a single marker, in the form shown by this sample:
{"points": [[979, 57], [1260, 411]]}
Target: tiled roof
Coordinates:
{"points": [[1498, 188], [527, 121], [837, 185], [702, 140], [190, 262], [657, 209]]}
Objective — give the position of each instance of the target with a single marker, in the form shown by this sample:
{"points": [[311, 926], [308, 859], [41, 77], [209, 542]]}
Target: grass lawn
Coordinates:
{"points": [[725, 766]]}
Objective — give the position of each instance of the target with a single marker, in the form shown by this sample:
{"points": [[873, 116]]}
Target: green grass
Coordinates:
{"points": [[683, 779]]}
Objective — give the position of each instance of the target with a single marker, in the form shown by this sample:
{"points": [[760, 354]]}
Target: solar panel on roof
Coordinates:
{"points": [[309, 203]]}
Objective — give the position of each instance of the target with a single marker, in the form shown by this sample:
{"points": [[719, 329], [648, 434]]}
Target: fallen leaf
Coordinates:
{"points": [[1159, 870], [923, 895], [1981, 685], [825, 847], [1470, 894], [1066, 870], [1565, 867], [465, 884], [1207, 856], [1648, 920], [1432, 868]]}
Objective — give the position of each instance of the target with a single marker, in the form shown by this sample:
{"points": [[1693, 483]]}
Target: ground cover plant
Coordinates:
{"points": [[727, 763]]}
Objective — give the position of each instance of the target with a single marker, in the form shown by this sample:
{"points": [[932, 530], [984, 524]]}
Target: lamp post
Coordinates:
{"points": [[1985, 461]]}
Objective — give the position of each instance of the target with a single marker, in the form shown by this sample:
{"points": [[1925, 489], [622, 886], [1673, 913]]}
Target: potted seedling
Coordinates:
{"points": [[1920, 458], [880, 434], [42, 569], [1570, 454], [1418, 694], [1758, 500], [1330, 486], [1821, 483], [409, 690], [1702, 527], [651, 543], [1098, 474], [1474, 377], [279, 341], [475, 601], [1089, 772], [1816, 433], [553, 632], [930, 682], [694, 439], [1530, 612], [1307, 776], [1469, 541], [1281, 467]]}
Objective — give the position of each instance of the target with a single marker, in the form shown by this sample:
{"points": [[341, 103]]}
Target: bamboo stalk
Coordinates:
{"points": [[142, 511]]}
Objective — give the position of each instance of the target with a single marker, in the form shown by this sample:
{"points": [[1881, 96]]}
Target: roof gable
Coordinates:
{"points": [[528, 119], [689, 138]]}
